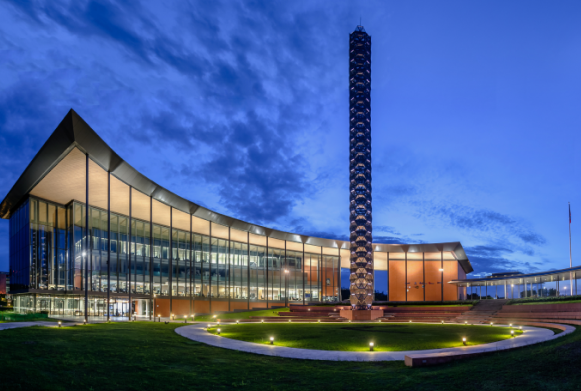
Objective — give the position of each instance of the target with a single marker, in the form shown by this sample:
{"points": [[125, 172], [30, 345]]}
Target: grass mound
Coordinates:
{"points": [[357, 336]]}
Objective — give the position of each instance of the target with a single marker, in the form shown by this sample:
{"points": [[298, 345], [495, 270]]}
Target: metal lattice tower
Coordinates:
{"points": [[361, 277]]}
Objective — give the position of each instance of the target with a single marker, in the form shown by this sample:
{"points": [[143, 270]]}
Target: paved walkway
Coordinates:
{"points": [[197, 332]]}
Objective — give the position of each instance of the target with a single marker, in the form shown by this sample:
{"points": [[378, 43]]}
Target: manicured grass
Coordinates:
{"points": [[14, 317], [357, 336], [240, 315], [151, 356], [549, 302]]}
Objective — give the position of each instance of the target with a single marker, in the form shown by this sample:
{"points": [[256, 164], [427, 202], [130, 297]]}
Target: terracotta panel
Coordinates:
{"points": [[433, 281], [258, 304], [201, 307], [181, 307], [416, 280], [450, 273], [161, 307], [221, 306], [397, 286], [238, 305]]}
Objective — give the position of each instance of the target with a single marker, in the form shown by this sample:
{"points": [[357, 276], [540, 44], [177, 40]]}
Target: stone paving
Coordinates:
{"points": [[197, 332]]}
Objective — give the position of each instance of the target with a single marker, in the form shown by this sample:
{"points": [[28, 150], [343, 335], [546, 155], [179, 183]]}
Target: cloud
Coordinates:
{"points": [[484, 221], [488, 259]]}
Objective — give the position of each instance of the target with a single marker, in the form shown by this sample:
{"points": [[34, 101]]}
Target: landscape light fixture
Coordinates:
{"points": [[465, 322], [371, 346], [349, 320], [289, 320], [491, 323], [464, 341], [84, 321], [208, 326], [159, 318], [214, 316], [319, 321], [237, 322], [272, 340], [510, 324], [512, 333], [442, 322], [410, 321], [218, 331], [262, 321], [60, 323]]}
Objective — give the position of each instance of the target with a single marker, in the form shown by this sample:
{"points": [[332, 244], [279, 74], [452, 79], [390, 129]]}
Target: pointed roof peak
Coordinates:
{"points": [[360, 28]]}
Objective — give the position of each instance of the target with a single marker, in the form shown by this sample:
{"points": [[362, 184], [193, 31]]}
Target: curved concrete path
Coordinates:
{"points": [[197, 332]]}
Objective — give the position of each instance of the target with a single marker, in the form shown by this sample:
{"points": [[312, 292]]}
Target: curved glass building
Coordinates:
{"points": [[89, 233]]}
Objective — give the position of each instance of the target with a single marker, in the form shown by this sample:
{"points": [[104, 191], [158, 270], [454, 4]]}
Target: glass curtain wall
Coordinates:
{"points": [[47, 251]]}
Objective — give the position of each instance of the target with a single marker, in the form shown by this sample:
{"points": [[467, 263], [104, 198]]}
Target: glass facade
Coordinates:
{"points": [[48, 253], [548, 284]]}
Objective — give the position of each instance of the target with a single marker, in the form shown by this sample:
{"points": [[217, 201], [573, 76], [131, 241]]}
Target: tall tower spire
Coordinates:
{"points": [[361, 277]]}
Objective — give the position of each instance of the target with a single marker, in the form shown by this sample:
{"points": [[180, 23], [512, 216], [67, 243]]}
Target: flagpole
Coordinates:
{"points": [[570, 257]]}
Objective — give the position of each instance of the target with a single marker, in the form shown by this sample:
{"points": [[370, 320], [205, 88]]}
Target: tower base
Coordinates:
{"points": [[361, 315]]}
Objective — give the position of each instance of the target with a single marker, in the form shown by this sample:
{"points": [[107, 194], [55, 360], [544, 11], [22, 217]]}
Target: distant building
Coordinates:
{"points": [[4, 283]]}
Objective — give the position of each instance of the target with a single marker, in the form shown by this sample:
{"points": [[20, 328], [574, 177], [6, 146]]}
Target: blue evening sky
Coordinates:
{"points": [[243, 107]]}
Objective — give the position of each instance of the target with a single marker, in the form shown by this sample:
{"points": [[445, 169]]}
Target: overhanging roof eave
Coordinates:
{"points": [[73, 132]]}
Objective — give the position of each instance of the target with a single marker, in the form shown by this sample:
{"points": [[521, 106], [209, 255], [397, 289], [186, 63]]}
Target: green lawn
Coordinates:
{"points": [[240, 315], [151, 356], [357, 336], [14, 317], [549, 302]]}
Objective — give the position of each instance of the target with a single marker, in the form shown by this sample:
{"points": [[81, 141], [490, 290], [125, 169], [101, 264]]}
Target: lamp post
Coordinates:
{"points": [[154, 297], [285, 288]]}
